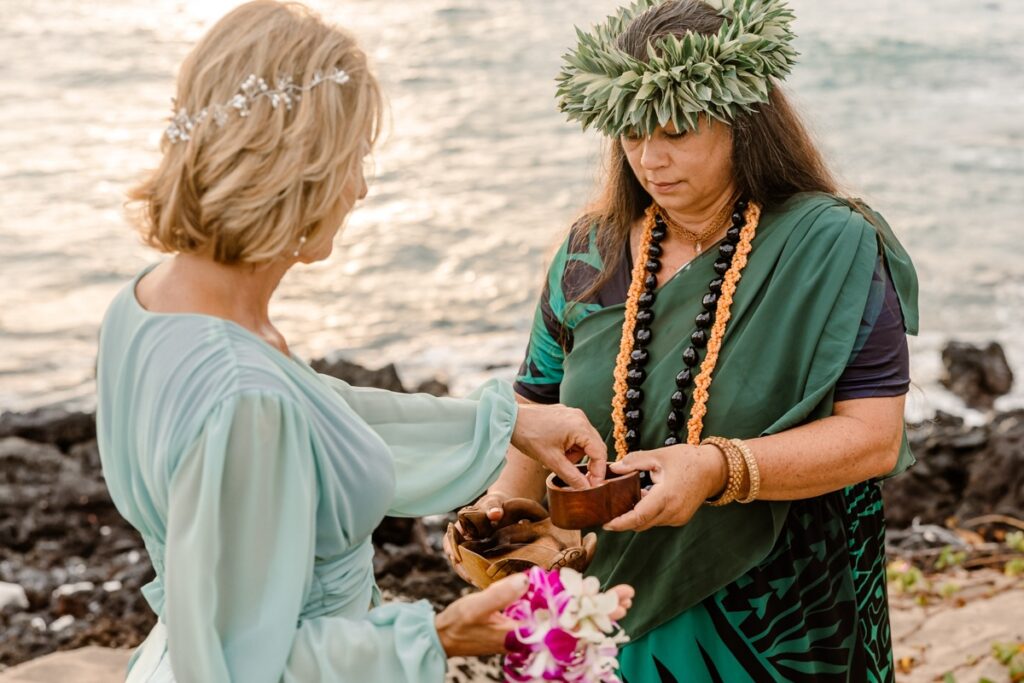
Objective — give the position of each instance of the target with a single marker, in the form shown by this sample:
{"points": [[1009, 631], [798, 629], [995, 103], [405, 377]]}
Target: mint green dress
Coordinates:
{"points": [[256, 483]]}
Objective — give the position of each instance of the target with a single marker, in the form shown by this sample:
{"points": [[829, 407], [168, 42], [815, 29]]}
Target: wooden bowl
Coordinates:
{"points": [[582, 509]]}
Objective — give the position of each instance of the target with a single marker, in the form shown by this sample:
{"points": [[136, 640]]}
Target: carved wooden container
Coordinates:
{"points": [[593, 507]]}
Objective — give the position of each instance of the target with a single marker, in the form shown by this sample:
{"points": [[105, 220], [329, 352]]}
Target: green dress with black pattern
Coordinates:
{"points": [[771, 591]]}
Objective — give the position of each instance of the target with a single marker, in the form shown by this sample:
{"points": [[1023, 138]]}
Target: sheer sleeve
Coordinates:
{"points": [[447, 451], [239, 564]]}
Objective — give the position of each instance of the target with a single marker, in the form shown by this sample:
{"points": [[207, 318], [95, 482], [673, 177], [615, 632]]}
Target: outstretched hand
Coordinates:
{"points": [[558, 437]]}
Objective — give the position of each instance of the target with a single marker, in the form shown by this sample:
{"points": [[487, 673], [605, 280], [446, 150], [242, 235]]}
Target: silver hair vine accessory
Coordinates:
{"points": [[285, 92]]}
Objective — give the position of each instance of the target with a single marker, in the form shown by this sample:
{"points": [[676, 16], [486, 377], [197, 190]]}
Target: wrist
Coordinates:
{"points": [[441, 626], [716, 469], [522, 416]]}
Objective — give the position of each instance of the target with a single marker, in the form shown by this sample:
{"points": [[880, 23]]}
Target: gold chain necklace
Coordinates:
{"points": [[717, 223]]}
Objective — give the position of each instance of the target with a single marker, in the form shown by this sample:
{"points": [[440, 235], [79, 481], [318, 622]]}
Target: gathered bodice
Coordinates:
{"points": [[256, 484]]}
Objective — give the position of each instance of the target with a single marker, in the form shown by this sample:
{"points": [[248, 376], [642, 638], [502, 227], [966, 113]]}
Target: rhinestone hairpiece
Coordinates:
{"points": [[285, 92]]}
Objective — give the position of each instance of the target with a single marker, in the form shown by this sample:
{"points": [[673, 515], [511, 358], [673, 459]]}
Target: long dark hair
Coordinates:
{"points": [[773, 155]]}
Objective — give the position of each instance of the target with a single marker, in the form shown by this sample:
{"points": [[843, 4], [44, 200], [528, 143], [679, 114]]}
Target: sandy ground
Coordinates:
{"points": [[952, 635], [955, 635], [87, 665]]}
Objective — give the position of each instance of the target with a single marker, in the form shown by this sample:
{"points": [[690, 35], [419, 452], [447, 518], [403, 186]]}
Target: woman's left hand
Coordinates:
{"points": [[684, 477], [558, 437]]}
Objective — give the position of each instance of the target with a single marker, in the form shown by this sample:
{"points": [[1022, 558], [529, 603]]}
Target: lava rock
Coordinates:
{"points": [[961, 472], [995, 481], [358, 376], [434, 387], [58, 526], [978, 375], [49, 425], [87, 455], [394, 531]]}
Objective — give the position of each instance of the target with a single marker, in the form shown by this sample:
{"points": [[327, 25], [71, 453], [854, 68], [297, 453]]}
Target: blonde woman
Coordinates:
{"points": [[254, 481]]}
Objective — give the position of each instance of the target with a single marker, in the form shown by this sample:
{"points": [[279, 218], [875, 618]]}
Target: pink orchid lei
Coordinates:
{"points": [[565, 631]]}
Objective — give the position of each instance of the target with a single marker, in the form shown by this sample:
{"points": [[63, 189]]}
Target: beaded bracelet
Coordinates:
{"points": [[753, 472], [734, 479]]}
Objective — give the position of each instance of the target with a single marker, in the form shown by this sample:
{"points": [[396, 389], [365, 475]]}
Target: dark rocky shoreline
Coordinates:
{"points": [[81, 566]]}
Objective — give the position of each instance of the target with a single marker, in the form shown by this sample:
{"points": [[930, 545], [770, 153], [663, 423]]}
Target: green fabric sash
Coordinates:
{"points": [[795, 319]]}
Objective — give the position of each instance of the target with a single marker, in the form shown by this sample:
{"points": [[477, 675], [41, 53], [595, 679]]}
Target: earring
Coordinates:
{"points": [[302, 243]]}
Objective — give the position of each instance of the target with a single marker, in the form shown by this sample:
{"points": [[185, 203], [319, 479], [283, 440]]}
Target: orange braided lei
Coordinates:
{"points": [[722, 314]]}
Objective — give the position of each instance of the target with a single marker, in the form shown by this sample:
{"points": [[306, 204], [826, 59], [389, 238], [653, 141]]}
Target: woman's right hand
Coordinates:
{"points": [[474, 626]]}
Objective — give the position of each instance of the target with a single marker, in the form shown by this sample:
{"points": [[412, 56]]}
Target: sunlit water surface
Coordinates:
{"points": [[917, 103]]}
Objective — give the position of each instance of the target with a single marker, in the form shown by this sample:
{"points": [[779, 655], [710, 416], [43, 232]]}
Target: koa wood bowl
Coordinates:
{"points": [[584, 508]]}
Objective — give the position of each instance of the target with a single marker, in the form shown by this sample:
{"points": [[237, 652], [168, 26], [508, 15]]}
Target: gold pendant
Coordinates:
{"points": [[699, 249]]}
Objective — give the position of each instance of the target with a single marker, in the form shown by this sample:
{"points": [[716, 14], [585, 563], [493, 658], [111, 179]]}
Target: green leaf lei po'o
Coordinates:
{"points": [[717, 75]]}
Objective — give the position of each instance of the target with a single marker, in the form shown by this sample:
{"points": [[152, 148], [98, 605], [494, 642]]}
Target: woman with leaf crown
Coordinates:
{"points": [[736, 329]]}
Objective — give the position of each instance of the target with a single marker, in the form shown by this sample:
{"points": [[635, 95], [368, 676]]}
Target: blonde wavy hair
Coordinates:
{"points": [[248, 191]]}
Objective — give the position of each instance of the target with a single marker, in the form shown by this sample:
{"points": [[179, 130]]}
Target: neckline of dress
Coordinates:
{"points": [[246, 332]]}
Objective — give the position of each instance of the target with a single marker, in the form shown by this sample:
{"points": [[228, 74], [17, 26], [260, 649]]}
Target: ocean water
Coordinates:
{"points": [[917, 103]]}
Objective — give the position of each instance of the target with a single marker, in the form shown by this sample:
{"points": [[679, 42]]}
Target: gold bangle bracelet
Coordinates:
{"points": [[753, 471], [734, 478]]}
